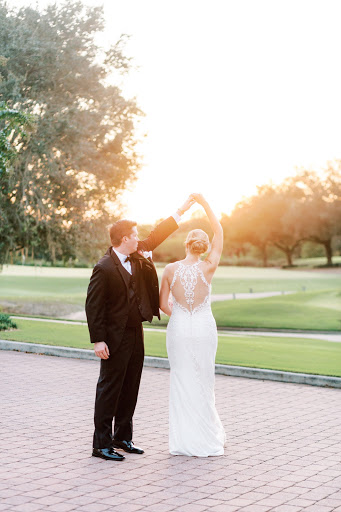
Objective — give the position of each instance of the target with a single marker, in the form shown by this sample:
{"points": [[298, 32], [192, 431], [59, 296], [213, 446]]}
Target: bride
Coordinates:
{"points": [[195, 428]]}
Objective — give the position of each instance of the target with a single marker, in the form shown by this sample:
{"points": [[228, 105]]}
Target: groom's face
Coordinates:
{"points": [[132, 241]]}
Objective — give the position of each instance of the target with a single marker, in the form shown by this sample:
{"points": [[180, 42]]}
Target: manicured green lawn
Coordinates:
{"points": [[246, 279], [314, 311], [308, 262], [49, 333], [306, 310], [53, 289], [70, 285], [317, 308], [287, 354]]}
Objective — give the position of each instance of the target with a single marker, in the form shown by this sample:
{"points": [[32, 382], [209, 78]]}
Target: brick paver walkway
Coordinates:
{"points": [[283, 453]]}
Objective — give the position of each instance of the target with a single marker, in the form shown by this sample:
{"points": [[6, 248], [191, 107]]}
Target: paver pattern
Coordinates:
{"points": [[283, 452]]}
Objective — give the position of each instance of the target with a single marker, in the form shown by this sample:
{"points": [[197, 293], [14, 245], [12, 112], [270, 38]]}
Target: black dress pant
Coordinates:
{"points": [[117, 390]]}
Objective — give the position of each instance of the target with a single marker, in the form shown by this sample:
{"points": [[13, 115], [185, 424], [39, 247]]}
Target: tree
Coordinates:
{"points": [[14, 129], [270, 217], [321, 218], [250, 221], [306, 207], [286, 220], [70, 174]]}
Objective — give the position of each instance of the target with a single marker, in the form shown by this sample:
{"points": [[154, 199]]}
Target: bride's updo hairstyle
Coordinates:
{"points": [[197, 241]]}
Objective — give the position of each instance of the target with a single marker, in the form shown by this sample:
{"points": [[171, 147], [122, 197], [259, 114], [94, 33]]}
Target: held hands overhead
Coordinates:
{"points": [[198, 198], [192, 199], [186, 206], [101, 348]]}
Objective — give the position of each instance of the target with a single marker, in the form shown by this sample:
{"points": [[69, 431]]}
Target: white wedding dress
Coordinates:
{"points": [[195, 428]]}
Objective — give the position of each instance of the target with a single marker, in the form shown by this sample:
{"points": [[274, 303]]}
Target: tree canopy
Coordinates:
{"points": [[64, 184], [305, 207]]}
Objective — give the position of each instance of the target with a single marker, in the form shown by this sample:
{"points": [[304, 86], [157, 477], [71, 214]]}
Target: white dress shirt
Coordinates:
{"points": [[122, 258], [176, 217]]}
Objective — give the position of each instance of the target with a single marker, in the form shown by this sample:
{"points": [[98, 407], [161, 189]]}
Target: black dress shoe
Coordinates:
{"points": [[107, 454], [127, 446]]}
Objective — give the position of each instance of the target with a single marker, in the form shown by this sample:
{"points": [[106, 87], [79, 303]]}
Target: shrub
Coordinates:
{"points": [[6, 322]]}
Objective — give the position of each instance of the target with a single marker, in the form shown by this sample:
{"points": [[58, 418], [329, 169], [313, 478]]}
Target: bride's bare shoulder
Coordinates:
{"points": [[208, 267], [170, 267], [168, 271]]}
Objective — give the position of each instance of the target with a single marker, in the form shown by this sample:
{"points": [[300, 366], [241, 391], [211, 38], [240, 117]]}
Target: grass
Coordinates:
{"points": [[318, 261], [50, 333], [61, 291], [54, 289], [310, 311], [314, 311], [242, 279], [286, 354], [70, 285]]}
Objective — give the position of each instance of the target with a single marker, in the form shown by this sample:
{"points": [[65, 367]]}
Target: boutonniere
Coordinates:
{"points": [[145, 254]]}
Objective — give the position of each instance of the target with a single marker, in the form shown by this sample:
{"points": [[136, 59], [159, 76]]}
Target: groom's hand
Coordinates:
{"points": [[102, 350], [186, 206]]}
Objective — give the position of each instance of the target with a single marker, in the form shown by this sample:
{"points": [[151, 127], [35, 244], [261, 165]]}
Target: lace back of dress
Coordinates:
{"points": [[190, 289]]}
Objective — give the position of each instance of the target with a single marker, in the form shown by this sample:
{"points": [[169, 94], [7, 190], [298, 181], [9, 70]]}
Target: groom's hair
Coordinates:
{"points": [[120, 229]]}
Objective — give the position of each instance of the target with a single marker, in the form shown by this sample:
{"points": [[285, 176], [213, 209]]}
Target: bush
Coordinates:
{"points": [[6, 322]]}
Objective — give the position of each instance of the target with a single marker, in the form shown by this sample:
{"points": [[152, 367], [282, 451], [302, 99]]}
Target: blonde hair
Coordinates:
{"points": [[197, 241]]}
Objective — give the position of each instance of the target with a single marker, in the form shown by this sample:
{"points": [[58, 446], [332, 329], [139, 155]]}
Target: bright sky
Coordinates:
{"points": [[236, 93]]}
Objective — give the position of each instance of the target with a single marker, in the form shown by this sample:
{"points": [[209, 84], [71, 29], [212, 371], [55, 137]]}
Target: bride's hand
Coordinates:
{"points": [[199, 198]]}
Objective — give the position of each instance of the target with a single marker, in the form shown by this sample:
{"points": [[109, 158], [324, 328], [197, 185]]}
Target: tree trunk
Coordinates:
{"points": [[53, 255], [264, 255], [327, 244], [329, 252], [288, 253]]}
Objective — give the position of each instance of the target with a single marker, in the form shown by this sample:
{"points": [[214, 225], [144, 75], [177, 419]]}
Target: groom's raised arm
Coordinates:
{"points": [[164, 229], [158, 235]]}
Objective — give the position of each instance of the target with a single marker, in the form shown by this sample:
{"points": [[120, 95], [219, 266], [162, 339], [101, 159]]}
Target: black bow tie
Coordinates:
{"points": [[128, 258]]}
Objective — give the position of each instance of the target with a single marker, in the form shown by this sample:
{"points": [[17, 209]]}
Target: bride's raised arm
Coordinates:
{"points": [[214, 255]]}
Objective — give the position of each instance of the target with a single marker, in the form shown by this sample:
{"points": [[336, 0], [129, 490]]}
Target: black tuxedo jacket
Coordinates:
{"points": [[107, 302]]}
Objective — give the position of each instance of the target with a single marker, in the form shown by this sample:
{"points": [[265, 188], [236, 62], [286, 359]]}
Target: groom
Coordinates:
{"points": [[123, 292]]}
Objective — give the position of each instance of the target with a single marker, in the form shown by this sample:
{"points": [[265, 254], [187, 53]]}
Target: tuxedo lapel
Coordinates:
{"points": [[133, 264]]}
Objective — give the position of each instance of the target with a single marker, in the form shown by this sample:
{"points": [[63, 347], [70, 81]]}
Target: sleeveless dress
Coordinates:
{"points": [[195, 428]]}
